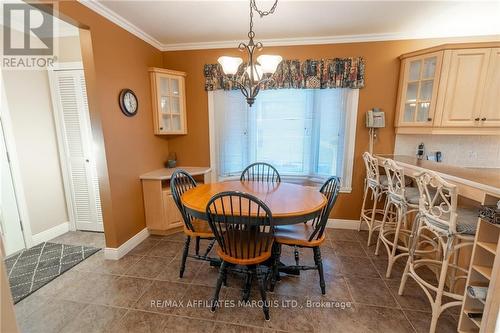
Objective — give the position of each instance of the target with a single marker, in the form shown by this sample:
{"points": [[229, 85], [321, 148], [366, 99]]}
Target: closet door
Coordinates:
{"points": [[73, 122]]}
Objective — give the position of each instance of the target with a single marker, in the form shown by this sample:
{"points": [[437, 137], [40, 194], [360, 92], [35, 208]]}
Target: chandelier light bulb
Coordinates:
{"points": [[269, 63], [230, 65]]}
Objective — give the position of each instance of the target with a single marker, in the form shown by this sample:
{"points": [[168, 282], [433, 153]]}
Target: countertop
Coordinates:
{"points": [[488, 178], [165, 174]]}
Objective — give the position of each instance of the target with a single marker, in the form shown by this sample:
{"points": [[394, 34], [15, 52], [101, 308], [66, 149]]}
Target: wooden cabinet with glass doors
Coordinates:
{"points": [[419, 89], [169, 101]]}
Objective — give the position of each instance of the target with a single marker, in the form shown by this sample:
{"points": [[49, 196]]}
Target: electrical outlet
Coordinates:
{"points": [[472, 155]]}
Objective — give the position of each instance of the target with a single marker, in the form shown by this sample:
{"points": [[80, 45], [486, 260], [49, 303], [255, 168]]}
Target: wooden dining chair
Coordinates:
{"points": [[261, 171], [308, 235], [243, 227], [180, 182]]}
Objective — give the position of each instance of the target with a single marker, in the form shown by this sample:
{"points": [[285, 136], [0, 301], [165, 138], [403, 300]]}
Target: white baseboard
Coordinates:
{"points": [[48, 234], [113, 253], [344, 224]]}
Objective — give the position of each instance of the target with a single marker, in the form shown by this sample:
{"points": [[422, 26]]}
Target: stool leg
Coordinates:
{"points": [[361, 219], [413, 241], [381, 230], [372, 217], [436, 306], [391, 260], [184, 256]]}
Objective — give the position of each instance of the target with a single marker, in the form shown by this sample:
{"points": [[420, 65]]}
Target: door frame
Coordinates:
{"points": [[57, 114], [15, 169]]}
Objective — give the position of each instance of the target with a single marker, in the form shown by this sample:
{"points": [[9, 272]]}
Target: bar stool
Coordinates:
{"points": [[403, 200], [454, 229], [377, 185]]}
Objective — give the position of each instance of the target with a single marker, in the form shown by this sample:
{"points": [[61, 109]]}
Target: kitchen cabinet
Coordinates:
{"points": [[419, 89], [169, 101], [450, 89]]}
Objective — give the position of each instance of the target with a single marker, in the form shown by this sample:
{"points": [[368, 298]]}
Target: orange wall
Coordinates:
{"points": [[382, 73], [120, 60]]}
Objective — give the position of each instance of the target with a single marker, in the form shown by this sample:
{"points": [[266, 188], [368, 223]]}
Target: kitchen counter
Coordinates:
{"points": [[472, 183], [166, 173]]}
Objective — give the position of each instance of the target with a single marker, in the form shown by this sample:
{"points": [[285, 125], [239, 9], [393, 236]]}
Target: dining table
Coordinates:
{"points": [[289, 203]]}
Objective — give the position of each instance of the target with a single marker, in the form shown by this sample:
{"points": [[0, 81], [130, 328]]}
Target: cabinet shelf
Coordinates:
{"points": [[483, 270], [490, 247]]}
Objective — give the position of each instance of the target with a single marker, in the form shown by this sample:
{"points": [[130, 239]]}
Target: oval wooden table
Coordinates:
{"points": [[289, 203]]}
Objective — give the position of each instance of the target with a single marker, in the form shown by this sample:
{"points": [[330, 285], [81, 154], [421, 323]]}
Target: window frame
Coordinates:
{"points": [[349, 145]]}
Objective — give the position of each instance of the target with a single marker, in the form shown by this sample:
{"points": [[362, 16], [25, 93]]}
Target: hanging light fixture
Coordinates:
{"points": [[255, 73]]}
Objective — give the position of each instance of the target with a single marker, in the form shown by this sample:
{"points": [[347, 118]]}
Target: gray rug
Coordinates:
{"points": [[31, 269]]}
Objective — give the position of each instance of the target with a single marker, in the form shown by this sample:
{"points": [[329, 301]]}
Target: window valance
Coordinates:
{"points": [[308, 74]]}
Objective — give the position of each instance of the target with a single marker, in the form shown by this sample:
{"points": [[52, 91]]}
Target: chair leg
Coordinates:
{"points": [[296, 254], [184, 256], [274, 273], [215, 300], [197, 246], [262, 287], [361, 219], [392, 255], [248, 284], [437, 305], [372, 218], [319, 263]]}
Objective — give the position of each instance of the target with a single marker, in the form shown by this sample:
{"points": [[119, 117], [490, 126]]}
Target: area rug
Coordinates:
{"points": [[31, 269]]}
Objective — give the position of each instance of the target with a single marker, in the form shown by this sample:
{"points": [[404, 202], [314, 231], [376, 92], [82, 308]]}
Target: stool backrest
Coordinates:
{"points": [[261, 171], [242, 224], [372, 172], [180, 182], [330, 190], [395, 180], [438, 201]]}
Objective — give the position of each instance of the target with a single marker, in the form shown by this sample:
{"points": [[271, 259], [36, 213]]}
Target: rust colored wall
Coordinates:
{"points": [[115, 59], [382, 74]]}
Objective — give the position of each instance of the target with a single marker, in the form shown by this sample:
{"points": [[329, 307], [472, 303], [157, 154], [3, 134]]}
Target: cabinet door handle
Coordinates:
{"points": [[483, 119], [476, 119], [429, 119]]}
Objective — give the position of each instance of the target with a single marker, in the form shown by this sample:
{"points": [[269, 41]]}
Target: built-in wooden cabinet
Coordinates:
{"points": [[419, 89], [452, 89], [162, 215], [169, 101]]}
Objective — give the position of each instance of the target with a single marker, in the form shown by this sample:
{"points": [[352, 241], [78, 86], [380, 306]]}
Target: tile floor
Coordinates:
{"points": [[99, 295], [87, 238]]}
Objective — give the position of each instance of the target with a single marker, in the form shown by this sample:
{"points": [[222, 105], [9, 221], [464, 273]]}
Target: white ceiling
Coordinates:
{"points": [[171, 25]]}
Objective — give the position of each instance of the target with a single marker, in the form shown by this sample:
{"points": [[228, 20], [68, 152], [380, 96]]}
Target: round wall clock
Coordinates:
{"points": [[128, 102]]}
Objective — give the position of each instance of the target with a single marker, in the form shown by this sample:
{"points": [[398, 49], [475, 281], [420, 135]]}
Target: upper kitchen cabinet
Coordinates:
{"points": [[463, 87], [450, 89], [418, 89], [490, 107], [169, 101]]}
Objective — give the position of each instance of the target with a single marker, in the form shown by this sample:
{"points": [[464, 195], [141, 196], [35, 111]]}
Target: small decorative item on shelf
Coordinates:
{"points": [[490, 213], [477, 292], [171, 160]]}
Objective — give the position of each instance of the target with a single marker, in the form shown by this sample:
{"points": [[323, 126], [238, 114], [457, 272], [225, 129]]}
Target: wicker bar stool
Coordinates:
{"points": [[454, 229], [404, 200], [375, 184]]}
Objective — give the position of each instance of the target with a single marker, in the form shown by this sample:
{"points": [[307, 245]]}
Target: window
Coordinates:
{"points": [[304, 133]]}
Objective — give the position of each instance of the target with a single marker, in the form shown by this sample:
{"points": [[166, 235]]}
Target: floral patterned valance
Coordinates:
{"points": [[309, 74]]}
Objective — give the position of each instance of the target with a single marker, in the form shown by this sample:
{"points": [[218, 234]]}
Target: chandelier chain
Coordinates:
{"points": [[262, 13]]}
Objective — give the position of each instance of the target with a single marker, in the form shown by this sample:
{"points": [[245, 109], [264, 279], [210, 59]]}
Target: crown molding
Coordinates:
{"points": [[125, 24], [121, 22]]}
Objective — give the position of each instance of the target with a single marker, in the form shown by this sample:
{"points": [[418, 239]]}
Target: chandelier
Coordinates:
{"points": [[255, 73]]}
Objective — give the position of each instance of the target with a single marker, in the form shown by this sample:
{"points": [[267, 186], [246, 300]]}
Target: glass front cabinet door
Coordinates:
{"points": [[169, 101], [419, 83]]}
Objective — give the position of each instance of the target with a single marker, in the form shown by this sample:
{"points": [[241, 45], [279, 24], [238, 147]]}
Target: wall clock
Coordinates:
{"points": [[128, 102]]}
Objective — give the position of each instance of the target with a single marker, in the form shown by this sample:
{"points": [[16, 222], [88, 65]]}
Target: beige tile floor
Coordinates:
{"points": [[88, 238], [99, 295]]}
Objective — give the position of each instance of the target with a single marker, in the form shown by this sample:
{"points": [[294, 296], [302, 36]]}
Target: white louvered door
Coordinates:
{"points": [[76, 138]]}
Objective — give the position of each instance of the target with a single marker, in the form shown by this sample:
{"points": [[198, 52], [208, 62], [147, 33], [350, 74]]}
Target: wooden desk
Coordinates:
{"points": [[289, 203]]}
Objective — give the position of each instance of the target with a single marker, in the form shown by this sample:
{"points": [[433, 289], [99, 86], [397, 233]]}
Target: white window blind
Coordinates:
{"points": [[302, 132]]}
